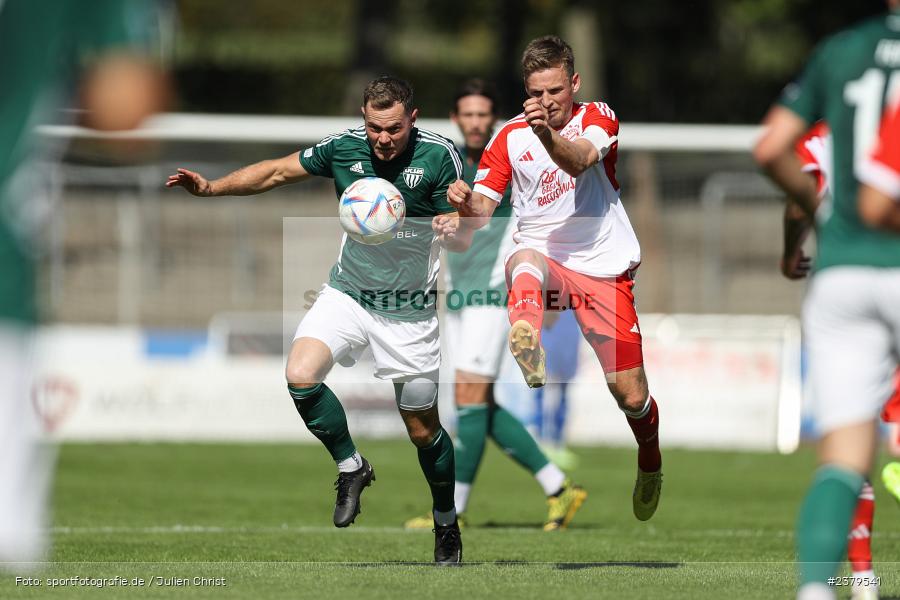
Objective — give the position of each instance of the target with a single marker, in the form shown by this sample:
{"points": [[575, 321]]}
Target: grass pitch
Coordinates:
{"points": [[255, 522]]}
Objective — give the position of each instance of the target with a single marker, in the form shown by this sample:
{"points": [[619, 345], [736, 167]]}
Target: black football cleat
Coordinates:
{"points": [[349, 488], [447, 544]]}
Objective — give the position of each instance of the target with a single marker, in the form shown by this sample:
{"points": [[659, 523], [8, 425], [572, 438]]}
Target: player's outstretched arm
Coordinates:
{"points": [[878, 210], [574, 157], [475, 209], [252, 179]]}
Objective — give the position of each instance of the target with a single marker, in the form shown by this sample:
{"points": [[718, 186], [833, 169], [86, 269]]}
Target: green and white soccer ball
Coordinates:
{"points": [[371, 210]]}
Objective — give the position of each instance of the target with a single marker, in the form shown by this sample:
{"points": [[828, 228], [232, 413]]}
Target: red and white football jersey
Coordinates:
{"points": [[882, 168], [578, 222], [814, 152]]}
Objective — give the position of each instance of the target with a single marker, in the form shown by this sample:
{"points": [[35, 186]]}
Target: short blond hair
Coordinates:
{"points": [[547, 52]]}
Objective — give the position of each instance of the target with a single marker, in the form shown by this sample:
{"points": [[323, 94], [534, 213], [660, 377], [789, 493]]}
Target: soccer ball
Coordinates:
{"points": [[371, 210]]}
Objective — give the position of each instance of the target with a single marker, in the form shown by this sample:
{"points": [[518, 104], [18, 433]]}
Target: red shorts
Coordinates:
{"points": [[891, 411], [604, 309]]}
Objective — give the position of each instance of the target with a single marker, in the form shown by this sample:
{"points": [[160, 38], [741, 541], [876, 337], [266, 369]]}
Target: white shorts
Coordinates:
{"points": [[476, 339], [851, 329], [400, 348]]}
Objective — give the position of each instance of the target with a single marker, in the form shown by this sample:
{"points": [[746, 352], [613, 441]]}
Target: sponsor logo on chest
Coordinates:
{"points": [[554, 184], [412, 176]]}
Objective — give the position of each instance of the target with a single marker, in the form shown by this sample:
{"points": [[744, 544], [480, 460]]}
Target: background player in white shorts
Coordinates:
{"points": [[379, 296], [476, 326]]}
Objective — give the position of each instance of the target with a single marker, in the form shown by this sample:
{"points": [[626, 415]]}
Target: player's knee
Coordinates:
{"points": [[301, 373], [526, 255], [422, 426], [422, 436], [631, 395]]}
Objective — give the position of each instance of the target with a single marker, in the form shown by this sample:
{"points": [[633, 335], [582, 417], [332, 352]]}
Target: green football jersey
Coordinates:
{"points": [[846, 83], [396, 279], [477, 276], [41, 42]]}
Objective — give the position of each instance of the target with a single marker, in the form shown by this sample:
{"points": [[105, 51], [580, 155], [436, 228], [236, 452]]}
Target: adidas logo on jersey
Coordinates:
{"points": [[526, 157], [635, 328], [357, 168]]}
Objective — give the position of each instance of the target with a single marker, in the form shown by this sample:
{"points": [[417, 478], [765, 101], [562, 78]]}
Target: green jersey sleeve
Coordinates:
{"points": [[450, 171], [317, 159], [806, 95]]}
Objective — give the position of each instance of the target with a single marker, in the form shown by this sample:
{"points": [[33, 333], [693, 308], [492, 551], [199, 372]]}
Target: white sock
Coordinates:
{"points": [[461, 496], [641, 413], [550, 478], [870, 575], [445, 518], [348, 465], [816, 591], [527, 268]]}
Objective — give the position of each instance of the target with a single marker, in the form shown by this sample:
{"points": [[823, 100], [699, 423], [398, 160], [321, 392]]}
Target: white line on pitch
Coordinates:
{"points": [[657, 531]]}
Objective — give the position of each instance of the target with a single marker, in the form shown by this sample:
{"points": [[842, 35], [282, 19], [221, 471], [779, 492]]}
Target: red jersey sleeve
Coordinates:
{"points": [[809, 149], [882, 168], [601, 115], [887, 151], [494, 171]]}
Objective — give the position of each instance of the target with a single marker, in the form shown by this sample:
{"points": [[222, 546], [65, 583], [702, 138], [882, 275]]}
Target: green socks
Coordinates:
{"points": [[471, 436], [436, 460], [475, 422], [824, 522], [324, 417], [515, 441]]}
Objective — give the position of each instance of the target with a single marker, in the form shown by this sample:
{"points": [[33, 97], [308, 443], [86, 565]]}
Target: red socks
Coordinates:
{"points": [[526, 293], [859, 548], [646, 433]]}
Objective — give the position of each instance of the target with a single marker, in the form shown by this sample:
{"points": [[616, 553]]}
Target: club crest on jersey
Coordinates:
{"points": [[412, 176]]}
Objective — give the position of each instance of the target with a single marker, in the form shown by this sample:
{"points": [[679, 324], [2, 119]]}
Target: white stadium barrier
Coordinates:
{"points": [[726, 382], [298, 129]]}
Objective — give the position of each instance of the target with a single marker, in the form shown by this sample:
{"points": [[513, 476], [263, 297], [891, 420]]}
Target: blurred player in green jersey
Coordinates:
{"points": [[476, 328], [41, 45], [382, 297], [851, 314]]}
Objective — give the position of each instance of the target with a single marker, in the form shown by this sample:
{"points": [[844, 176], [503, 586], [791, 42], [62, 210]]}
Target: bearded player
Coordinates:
{"points": [[575, 247], [377, 296]]}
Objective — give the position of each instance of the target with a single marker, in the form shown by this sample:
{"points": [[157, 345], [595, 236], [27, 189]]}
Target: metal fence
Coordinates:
{"points": [[120, 248]]}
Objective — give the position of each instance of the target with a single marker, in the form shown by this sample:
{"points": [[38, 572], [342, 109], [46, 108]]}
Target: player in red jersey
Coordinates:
{"points": [[813, 152], [575, 247], [879, 194]]}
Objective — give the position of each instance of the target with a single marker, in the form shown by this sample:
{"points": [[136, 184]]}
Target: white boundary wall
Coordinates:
{"points": [[300, 129], [727, 382]]}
